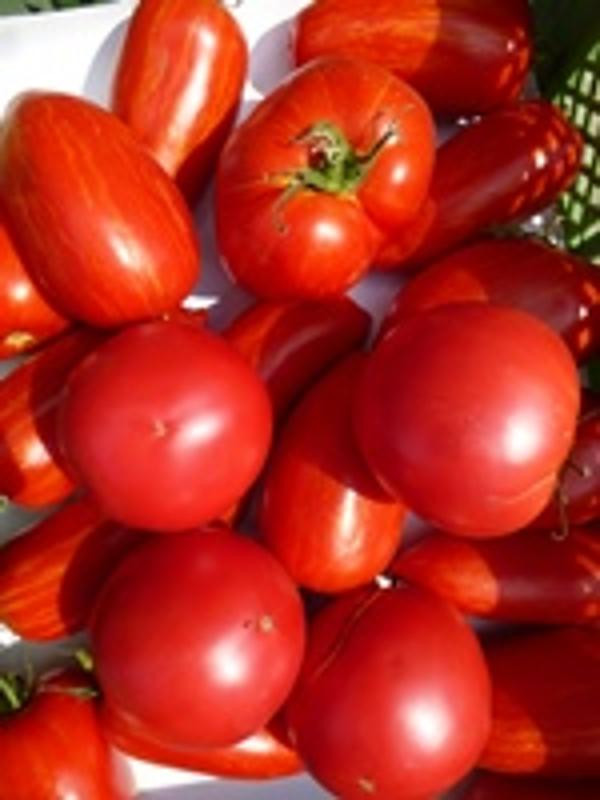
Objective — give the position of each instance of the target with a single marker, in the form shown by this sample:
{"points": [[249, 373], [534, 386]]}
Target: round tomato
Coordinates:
{"points": [[198, 638], [467, 413], [166, 425]]}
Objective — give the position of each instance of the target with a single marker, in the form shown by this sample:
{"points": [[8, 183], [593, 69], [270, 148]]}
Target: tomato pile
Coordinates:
{"points": [[225, 512]]}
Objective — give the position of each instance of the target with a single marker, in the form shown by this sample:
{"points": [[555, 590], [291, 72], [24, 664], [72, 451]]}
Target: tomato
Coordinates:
{"points": [[52, 747], [52, 573], [464, 56], [291, 343], [261, 756], [546, 703], [32, 468], [341, 152], [488, 786], [178, 83], [207, 660], [530, 576], [526, 156], [166, 425], [105, 233], [393, 699], [322, 513], [26, 319], [467, 413], [559, 288]]}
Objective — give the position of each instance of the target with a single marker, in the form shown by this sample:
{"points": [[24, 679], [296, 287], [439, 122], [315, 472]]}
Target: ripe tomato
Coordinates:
{"points": [[322, 513], [52, 573], [166, 425], [393, 699], [307, 185], [530, 576], [105, 233], [527, 155], [178, 83], [291, 343], [207, 660], [467, 413], [52, 747], [546, 703], [464, 56], [559, 288], [488, 786], [26, 319]]}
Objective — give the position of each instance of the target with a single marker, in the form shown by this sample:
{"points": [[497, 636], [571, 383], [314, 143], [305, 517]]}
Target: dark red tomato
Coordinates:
{"points": [[532, 576], [52, 573], [53, 749], [464, 56], [546, 703], [322, 513], [393, 699], [291, 343], [339, 154], [105, 233], [526, 156], [488, 786], [166, 425], [26, 319], [559, 288], [467, 413], [32, 469], [216, 619], [178, 83], [263, 755]]}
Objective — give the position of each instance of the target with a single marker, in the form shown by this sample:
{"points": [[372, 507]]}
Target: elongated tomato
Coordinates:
{"points": [[178, 83], [530, 576], [105, 233]]}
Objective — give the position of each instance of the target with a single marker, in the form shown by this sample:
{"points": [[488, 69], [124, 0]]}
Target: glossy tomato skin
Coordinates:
{"points": [[178, 83], [546, 703], [463, 57], [557, 287], [290, 343], [166, 425], [488, 786], [53, 572], [322, 513], [531, 576], [26, 319], [234, 625], [53, 748], [394, 696], [33, 472], [467, 413], [527, 155], [105, 234], [281, 236]]}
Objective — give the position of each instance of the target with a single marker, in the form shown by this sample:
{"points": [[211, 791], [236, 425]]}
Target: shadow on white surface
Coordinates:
{"points": [[271, 58], [98, 82], [300, 788]]}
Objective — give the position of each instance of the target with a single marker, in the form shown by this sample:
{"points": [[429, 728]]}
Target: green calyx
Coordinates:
{"points": [[14, 693]]}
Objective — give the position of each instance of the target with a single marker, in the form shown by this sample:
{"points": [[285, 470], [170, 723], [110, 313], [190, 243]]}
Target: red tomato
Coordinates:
{"points": [[528, 577], [178, 83], [166, 425], [546, 703], [339, 154], [488, 786], [467, 413], [32, 469], [52, 573], [26, 319], [291, 343], [464, 56], [52, 748], [322, 513], [393, 699], [105, 233], [526, 156], [224, 634], [559, 288]]}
